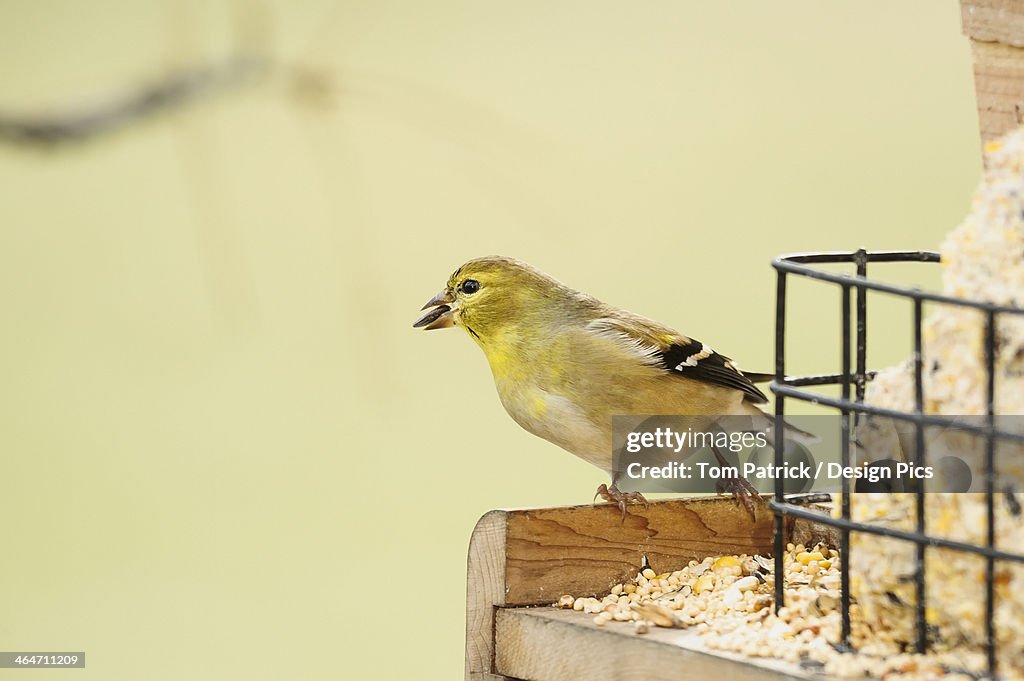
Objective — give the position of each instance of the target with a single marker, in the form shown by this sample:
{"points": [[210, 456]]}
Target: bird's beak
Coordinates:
{"points": [[440, 314]]}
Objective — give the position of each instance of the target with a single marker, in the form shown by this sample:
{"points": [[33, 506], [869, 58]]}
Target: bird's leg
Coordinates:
{"points": [[613, 495], [736, 485]]}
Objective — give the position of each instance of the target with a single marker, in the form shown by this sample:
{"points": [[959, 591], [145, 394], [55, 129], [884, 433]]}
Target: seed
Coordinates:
{"points": [[649, 573], [641, 627], [746, 583], [659, 615], [566, 601], [806, 557], [726, 561], [705, 583]]}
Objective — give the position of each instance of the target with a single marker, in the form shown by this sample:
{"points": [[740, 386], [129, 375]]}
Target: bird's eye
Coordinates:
{"points": [[470, 286]]}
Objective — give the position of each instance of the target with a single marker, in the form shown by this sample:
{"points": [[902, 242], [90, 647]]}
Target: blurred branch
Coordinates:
{"points": [[176, 90]]}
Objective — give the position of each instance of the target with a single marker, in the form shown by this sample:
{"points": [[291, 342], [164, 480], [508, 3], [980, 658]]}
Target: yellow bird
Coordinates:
{"points": [[564, 362]]}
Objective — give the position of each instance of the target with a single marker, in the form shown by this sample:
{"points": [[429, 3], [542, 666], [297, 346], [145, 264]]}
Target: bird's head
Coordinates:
{"points": [[487, 296]]}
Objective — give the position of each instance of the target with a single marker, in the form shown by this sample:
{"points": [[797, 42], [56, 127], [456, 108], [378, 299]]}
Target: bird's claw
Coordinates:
{"points": [[741, 490], [613, 495]]}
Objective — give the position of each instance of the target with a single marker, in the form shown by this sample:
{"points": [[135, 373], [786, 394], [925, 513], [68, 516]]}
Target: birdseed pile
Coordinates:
{"points": [[729, 600]]}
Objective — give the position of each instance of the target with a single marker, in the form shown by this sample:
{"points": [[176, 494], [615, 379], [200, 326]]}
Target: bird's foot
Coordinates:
{"points": [[741, 490], [613, 495]]}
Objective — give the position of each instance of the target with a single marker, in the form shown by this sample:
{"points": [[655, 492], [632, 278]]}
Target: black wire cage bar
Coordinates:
{"points": [[852, 380]]}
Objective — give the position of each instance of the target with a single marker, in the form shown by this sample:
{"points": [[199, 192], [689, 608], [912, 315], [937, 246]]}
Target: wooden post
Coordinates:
{"points": [[996, 31], [485, 590]]}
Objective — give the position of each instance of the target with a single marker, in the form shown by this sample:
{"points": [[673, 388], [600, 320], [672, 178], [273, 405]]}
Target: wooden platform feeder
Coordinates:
{"points": [[521, 561]]}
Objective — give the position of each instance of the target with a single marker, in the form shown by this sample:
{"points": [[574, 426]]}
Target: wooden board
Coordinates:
{"points": [[586, 550], [993, 21], [996, 30], [549, 644], [999, 84], [530, 557], [485, 589]]}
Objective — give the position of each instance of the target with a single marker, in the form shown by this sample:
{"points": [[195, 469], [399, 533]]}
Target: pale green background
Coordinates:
{"points": [[226, 454]]}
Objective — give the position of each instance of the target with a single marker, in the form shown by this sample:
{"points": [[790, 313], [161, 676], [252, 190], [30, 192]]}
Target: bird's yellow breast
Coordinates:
{"points": [[566, 388]]}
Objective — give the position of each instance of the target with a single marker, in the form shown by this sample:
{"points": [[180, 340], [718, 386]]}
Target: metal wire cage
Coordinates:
{"points": [[853, 378]]}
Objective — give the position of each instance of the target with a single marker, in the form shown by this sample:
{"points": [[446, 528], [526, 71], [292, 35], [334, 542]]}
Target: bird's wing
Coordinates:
{"points": [[677, 354]]}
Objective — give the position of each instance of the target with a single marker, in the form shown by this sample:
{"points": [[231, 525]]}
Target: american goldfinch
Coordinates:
{"points": [[564, 362]]}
